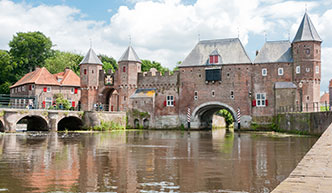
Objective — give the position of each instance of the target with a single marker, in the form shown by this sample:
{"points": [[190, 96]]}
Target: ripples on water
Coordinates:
{"points": [[148, 161]]}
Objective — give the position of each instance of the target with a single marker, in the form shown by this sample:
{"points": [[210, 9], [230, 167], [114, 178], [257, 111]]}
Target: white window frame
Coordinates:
{"points": [[261, 99], [195, 95], [23, 88], [264, 72], [280, 71], [213, 93], [298, 70], [48, 102], [170, 100], [72, 90], [307, 69], [317, 69], [48, 89]]}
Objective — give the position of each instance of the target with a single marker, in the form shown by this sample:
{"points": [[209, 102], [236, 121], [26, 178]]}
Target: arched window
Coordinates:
{"points": [[124, 69]]}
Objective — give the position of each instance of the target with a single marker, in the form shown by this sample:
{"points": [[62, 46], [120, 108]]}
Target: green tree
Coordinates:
{"points": [[29, 50], [7, 76], [227, 115], [61, 102], [147, 65], [60, 60], [109, 62]]}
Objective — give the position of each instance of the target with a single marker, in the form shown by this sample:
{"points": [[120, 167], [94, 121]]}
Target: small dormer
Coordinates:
{"points": [[214, 58]]}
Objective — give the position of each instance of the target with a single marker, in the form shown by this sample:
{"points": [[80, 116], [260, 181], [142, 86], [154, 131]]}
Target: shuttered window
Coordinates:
{"points": [[212, 74]]}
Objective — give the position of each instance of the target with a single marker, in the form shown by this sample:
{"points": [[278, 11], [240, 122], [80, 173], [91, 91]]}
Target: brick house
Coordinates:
{"points": [[37, 89], [217, 74]]}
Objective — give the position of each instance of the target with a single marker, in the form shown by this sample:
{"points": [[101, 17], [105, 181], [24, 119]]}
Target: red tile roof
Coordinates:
{"points": [[69, 78], [325, 97], [39, 76]]}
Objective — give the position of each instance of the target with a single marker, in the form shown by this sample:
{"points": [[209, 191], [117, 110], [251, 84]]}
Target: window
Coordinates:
{"points": [[213, 93], [170, 101], [196, 95], [280, 71], [33, 87], [124, 98], [261, 99], [307, 69], [23, 88], [72, 90], [298, 70], [59, 79], [228, 74], [317, 69], [212, 74], [124, 69], [48, 102], [214, 59], [308, 98], [232, 94], [84, 71], [49, 89], [264, 72], [92, 71], [307, 51]]}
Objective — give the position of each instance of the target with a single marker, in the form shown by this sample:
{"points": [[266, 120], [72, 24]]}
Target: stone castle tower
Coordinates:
{"points": [[307, 62], [129, 67], [89, 69]]}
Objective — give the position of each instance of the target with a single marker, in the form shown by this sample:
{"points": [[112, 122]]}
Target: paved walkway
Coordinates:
{"points": [[314, 172]]}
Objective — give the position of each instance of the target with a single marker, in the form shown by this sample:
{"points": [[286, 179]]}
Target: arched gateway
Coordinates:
{"points": [[202, 115]]}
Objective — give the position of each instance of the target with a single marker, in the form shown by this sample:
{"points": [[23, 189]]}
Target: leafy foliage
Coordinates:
{"points": [[61, 102], [109, 63], [147, 65], [6, 75], [227, 115], [29, 50], [60, 60]]}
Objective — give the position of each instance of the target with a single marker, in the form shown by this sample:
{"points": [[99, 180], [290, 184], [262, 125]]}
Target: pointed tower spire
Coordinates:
{"points": [[129, 55], [306, 31], [91, 58]]}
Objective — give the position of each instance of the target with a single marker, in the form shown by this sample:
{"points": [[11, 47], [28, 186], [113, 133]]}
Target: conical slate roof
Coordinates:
{"points": [[129, 55], [306, 31], [91, 58]]}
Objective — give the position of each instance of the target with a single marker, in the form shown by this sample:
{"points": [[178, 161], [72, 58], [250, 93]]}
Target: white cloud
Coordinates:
{"points": [[166, 30]]}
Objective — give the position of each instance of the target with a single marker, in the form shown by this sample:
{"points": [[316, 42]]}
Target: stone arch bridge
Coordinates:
{"points": [[54, 120]]}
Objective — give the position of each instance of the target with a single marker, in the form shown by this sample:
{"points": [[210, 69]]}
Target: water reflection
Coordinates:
{"points": [[142, 161]]}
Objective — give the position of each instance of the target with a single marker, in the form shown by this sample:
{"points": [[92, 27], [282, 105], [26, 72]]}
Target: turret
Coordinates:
{"points": [[129, 67], [89, 72], [307, 61]]}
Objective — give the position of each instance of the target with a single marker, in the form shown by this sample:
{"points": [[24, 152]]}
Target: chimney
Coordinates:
{"points": [[67, 69]]}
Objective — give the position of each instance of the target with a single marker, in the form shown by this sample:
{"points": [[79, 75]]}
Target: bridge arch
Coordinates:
{"points": [[33, 123], [70, 123], [202, 115]]}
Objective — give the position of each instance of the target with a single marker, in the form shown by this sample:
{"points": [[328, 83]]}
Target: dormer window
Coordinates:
{"points": [[214, 59]]}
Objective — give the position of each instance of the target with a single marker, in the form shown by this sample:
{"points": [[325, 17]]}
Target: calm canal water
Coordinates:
{"points": [[148, 161]]}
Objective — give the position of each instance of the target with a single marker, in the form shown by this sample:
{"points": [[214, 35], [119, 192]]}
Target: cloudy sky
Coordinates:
{"points": [[164, 30]]}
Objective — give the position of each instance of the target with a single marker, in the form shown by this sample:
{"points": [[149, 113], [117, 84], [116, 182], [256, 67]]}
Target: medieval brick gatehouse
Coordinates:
{"points": [[217, 74]]}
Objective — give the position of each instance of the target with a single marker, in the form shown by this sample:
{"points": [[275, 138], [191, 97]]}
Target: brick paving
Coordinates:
{"points": [[314, 172]]}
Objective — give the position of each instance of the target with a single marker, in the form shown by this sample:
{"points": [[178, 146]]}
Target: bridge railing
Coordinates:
{"points": [[306, 107]]}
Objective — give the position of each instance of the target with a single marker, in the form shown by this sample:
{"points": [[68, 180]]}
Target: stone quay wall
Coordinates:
{"points": [[314, 172], [314, 123]]}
